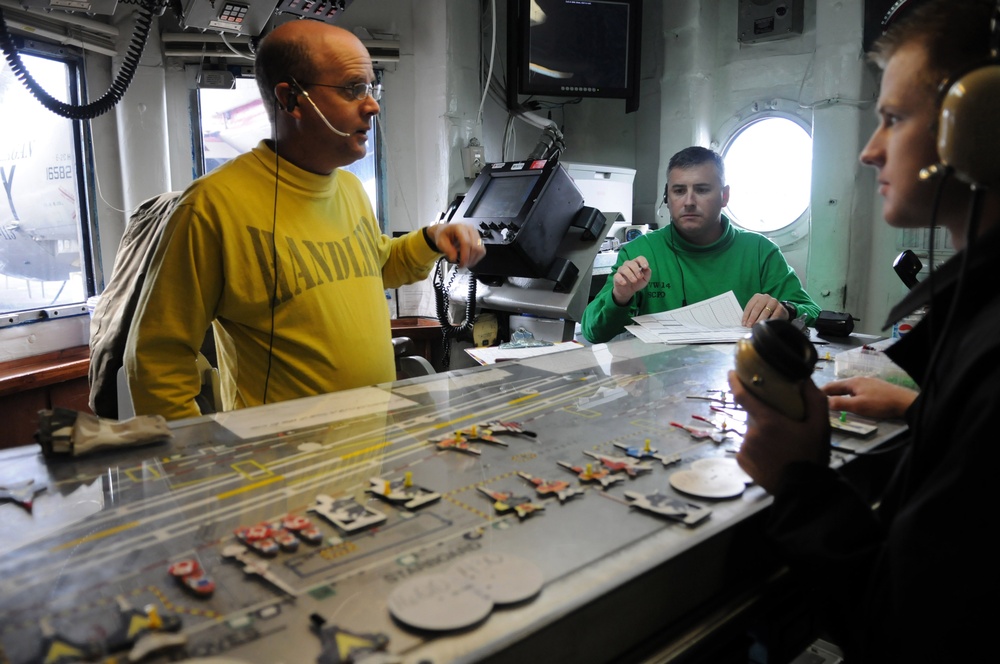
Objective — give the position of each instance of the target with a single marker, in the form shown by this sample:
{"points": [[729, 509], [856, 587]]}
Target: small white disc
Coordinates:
{"points": [[722, 465], [707, 485], [439, 602], [506, 579]]}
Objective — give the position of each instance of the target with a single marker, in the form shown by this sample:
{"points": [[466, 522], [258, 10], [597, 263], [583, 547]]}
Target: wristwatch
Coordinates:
{"points": [[793, 311]]}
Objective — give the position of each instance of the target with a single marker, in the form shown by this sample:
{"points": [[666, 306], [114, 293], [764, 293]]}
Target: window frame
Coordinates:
{"points": [[83, 163], [751, 114]]}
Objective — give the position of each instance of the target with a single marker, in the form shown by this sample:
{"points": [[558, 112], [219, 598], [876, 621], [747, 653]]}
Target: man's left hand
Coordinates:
{"points": [[460, 243], [763, 307]]}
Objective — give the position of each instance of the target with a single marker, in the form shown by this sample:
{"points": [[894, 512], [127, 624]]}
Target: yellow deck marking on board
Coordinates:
{"points": [[140, 474], [96, 536], [250, 487], [254, 469]]}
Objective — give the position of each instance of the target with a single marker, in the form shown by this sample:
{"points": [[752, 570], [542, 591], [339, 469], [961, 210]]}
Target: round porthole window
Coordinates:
{"points": [[768, 162]]}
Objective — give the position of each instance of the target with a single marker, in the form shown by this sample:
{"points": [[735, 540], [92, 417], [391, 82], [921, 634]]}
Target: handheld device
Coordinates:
{"points": [[906, 266], [772, 361]]}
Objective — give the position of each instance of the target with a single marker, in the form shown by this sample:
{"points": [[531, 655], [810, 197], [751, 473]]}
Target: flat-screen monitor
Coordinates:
{"points": [[503, 197], [574, 48]]}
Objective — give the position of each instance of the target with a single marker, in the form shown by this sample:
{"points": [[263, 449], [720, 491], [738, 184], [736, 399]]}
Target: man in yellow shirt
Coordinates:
{"points": [[279, 249]]}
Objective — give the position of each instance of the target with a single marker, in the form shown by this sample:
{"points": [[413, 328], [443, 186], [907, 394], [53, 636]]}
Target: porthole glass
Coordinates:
{"points": [[769, 173]]}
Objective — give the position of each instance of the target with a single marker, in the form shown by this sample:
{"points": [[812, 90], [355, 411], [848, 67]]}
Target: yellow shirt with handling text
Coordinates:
{"points": [[215, 266]]}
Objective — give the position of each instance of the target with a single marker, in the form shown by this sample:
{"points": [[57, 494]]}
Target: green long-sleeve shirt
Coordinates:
{"points": [[741, 261]]}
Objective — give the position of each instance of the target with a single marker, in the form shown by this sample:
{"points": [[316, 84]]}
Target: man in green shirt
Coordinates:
{"points": [[698, 256]]}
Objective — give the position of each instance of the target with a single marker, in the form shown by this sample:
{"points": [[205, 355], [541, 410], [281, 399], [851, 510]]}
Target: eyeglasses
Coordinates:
{"points": [[359, 90]]}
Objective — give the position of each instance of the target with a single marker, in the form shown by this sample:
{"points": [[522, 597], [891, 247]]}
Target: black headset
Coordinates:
{"points": [[294, 90], [968, 134]]}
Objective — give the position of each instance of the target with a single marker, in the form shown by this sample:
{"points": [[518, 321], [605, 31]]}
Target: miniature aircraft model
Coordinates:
{"points": [[402, 492], [627, 465], [144, 631], [672, 508], [303, 528], [346, 513], [511, 428], [506, 502], [558, 488], [192, 577], [259, 539], [340, 646], [718, 431], [58, 649], [457, 442], [588, 474], [22, 494], [257, 567], [647, 452]]}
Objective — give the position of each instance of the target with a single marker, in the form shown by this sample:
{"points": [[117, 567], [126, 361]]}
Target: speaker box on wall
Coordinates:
{"points": [[768, 20]]}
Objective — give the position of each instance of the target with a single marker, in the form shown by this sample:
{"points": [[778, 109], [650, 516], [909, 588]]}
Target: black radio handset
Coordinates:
{"points": [[907, 266], [772, 361], [447, 215], [441, 289]]}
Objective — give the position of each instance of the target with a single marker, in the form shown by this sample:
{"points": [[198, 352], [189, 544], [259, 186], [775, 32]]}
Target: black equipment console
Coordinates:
{"points": [[522, 210]]}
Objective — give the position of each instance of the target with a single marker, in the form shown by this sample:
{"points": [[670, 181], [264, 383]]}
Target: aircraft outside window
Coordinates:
{"points": [[42, 249]]}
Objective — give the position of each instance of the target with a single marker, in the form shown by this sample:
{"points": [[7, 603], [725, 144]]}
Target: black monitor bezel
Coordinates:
{"points": [[518, 44]]}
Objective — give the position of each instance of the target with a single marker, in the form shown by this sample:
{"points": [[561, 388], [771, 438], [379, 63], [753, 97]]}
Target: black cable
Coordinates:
{"points": [[114, 94], [954, 306], [448, 331], [274, 257], [935, 206], [927, 381]]}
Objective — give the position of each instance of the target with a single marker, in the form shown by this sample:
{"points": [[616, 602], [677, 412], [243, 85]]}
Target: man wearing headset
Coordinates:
{"points": [[698, 256], [279, 250], [912, 580]]}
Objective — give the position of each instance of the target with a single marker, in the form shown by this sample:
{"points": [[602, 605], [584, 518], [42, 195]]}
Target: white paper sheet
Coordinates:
{"points": [[716, 320], [494, 354]]}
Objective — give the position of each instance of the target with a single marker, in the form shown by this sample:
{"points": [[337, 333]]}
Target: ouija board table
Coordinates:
{"points": [[557, 509]]}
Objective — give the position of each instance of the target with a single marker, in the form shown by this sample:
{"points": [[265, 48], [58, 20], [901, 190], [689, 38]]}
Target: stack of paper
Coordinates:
{"points": [[716, 320]]}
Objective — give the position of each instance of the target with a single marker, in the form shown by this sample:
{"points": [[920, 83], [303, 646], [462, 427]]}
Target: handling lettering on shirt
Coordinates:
{"points": [[311, 263]]}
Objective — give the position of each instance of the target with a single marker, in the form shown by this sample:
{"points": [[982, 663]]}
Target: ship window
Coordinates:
{"points": [[45, 258], [768, 160]]}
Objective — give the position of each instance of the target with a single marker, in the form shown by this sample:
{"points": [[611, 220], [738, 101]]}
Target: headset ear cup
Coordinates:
{"points": [[968, 132]]}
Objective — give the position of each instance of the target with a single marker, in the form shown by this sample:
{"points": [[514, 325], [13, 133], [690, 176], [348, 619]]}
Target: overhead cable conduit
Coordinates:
{"points": [[114, 94]]}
